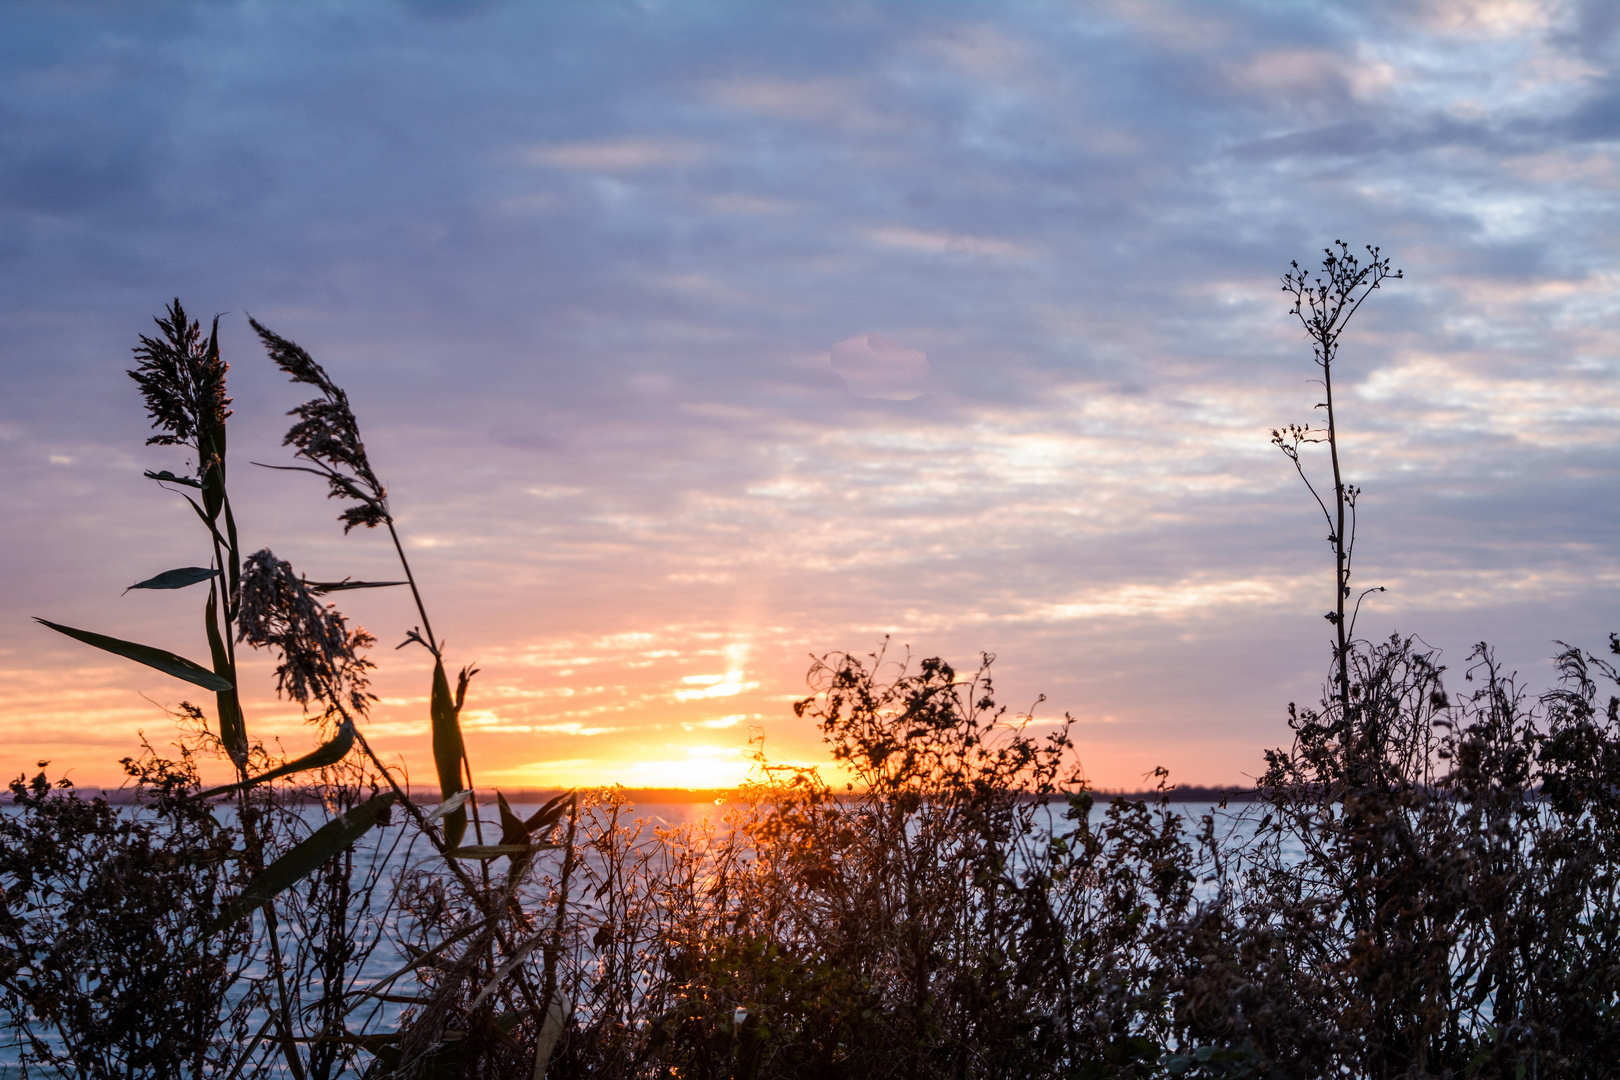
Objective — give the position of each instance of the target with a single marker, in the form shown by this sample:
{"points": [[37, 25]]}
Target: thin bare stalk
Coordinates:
{"points": [[1324, 306], [433, 647], [421, 609]]}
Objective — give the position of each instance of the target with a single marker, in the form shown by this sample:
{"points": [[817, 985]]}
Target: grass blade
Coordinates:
{"points": [[168, 477], [176, 579], [328, 753], [513, 961], [447, 751], [558, 1010], [513, 834], [547, 815], [512, 828], [161, 659], [232, 725], [493, 851], [303, 859], [324, 587], [450, 805]]}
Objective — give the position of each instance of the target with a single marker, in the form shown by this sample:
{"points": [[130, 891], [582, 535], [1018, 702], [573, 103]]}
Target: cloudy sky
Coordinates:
{"points": [[695, 339]]}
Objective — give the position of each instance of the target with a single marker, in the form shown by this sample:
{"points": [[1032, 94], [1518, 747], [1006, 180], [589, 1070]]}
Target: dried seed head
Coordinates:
{"points": [[328, 436], [320, 655], [183, 380]]}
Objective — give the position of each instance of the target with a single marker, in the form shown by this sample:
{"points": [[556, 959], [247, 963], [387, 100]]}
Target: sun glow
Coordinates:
{"points": [[716, 686]]}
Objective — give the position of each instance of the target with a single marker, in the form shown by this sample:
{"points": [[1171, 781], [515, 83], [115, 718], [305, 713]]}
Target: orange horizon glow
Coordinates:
{"points": [[650, 717]]}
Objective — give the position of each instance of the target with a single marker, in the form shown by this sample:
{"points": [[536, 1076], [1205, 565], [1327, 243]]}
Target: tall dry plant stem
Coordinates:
{"points": [[416, 593], [327, 438], [1324, 303], [182, 379]]}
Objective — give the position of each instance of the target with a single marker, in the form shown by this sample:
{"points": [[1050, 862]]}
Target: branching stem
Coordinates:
{"points": [[1324, 305]]}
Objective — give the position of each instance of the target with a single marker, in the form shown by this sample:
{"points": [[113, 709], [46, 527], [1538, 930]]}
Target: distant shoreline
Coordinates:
{"points": [[644, 796]]}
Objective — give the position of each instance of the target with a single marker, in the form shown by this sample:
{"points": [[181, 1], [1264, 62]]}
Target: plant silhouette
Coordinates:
{"points": [[1423, 884]]}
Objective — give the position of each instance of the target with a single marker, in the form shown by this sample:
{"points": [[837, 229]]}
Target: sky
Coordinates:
{"points": [[698, 340]]}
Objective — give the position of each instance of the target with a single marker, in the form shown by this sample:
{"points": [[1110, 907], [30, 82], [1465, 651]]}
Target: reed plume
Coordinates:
{"points": [[320, 657], [182, 379], [328, 436]]}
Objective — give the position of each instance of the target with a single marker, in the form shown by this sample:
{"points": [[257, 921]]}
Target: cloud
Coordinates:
{"points": [[1489, 18], [576, 266], [1313, 71], [945, 243], [983, 51], [839, 103], [873, 366], [616, 155]]}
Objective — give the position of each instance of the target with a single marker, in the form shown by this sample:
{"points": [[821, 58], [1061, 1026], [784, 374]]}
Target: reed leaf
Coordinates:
{"points": [[450, 805], [232, 725], [303, 859], [514, 833], [167, 477], [547, 815], [161, 659], [483, 852], [324, 587], [552, 1025], [209, 523], [513, 962], [328, 753], [176, 579], [447, 751]]}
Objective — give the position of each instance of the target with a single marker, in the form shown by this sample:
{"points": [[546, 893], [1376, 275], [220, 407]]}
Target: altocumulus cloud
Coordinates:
{"points": [[583, 269]]}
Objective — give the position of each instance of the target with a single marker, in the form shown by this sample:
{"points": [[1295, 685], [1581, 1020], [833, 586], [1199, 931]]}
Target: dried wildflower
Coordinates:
{"points": [[328, 436], [183, 380], [320, 655]]}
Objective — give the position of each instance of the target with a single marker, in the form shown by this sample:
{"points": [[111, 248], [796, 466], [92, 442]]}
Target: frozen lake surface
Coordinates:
{"points": [[1234, 823]]}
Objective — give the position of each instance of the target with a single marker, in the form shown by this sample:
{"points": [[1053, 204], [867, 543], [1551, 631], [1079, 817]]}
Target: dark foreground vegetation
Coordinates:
{"points": [[1422, 885]]}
